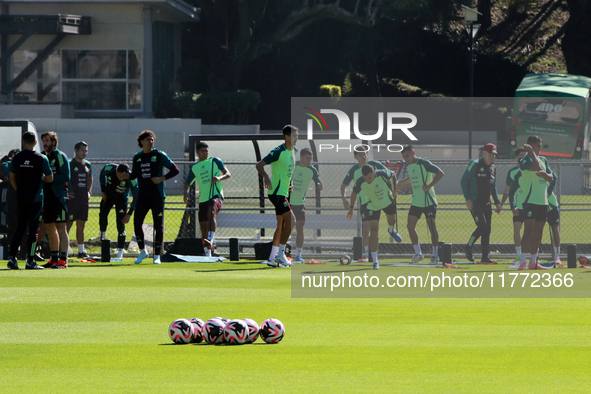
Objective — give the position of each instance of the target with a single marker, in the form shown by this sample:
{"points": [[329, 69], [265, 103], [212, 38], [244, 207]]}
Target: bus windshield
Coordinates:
{"points": [[554, 107]]}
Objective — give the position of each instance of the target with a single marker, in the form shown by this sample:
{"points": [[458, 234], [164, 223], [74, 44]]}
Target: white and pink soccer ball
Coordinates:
{"points": [[272, 331], [213, 331], [181, 331], [253, 330], [198, 329], [236, 332]]}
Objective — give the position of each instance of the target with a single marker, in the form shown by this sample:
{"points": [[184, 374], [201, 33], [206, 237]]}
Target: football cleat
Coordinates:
{"points": [[469, 254], [537, 266], [32, 265], [141, 257], [416, 258], [12, 263]]}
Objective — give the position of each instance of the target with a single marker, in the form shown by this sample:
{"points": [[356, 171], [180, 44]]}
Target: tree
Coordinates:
{"points": [[576, 50], [240, 31]]}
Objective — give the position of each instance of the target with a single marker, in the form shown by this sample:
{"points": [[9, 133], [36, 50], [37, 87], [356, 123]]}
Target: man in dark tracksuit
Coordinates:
{"points": [[478, 183], [147, 169], [28, 170]]}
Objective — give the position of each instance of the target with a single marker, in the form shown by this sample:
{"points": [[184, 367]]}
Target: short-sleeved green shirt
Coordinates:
{"points": [[203, 172], [301, 179], [354, 174], [282, 162], [535, 188], [421, 173], [378, 192]]}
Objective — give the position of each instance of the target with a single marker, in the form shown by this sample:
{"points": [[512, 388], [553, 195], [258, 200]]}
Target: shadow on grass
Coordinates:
{"points": [[235, 270], [97, 265], [217, 344]]}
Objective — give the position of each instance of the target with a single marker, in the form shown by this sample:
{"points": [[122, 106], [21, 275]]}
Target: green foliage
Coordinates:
{"points": [[516, 7], [347, 89], [218, 107], [330, 91]]}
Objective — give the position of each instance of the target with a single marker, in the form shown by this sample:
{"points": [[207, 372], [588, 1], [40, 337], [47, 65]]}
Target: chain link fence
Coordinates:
{"points": [[332, 232]]}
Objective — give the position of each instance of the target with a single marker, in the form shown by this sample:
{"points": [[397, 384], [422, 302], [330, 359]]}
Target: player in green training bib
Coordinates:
{"points": [[282, 161], [517, 220], [209, 172], [353, 175], [421, 179], [303, 174], [535, 176], [554, 220], [377, 186]]}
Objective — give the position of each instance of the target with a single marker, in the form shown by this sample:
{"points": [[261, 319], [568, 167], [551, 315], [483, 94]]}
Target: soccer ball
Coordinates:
{"points": [[225, 321], [272, 331], [213, 331], [181, 331], [198, 328], [236, 332], [253, 330]]}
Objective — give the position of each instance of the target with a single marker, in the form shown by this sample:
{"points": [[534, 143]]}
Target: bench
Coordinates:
{"points": [[268, 220]]}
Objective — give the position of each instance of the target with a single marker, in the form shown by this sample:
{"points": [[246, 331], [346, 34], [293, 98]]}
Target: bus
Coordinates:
{"points": [[555, 107]]}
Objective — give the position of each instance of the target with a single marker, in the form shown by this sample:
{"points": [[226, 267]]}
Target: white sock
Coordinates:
{"points": [[144, 251], [281, 251], [518, 250], [103, 235], [210, 235], [80, 248], [207, 252], [120, 254], [391, 228], [374, 256], [298, 251], [435, 251], [523, 257], [274, 251], [557, 250], [417, 249], [533, 258]]}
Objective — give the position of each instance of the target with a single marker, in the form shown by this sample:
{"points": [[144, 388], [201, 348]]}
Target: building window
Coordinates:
{"points": [[102, 79], [44, 83], [92, 79]]}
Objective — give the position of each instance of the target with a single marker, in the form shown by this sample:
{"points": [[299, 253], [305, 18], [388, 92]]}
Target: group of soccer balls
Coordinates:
{"points": [[219, 330]]}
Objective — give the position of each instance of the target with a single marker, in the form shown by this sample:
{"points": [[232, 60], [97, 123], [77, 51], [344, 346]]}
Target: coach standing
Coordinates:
{"points": [[147, 169], [28, 170], [478, 183], [55, 209]]}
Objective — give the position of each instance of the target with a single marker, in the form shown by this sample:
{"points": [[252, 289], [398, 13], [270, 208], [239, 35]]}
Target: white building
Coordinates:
{"points": [[88, 58]]}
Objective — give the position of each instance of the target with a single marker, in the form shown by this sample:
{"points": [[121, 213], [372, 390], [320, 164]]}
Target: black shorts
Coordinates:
{"points": [[55, 210], [539, 213], [553, 217], [430, 211], [78, 209], [364, 213], [281, 204], [299, 211], [519, 218], [214, 204], [389, 210]]}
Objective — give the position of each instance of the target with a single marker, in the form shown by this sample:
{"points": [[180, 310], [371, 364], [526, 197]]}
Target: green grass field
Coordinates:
{"points": [[103, 328]]}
